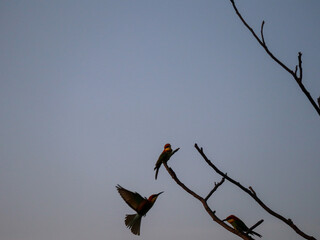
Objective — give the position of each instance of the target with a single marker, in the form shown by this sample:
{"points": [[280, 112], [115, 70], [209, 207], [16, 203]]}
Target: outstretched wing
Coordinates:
{"points": [[133, 199]]}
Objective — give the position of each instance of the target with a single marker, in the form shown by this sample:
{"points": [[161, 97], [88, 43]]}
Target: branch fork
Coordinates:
{"points": [[298, 68]]}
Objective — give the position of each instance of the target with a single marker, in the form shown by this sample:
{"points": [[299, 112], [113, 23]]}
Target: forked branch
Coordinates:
{"points": [[216, 185], [211, 213], [253, 194], [298, 68]]}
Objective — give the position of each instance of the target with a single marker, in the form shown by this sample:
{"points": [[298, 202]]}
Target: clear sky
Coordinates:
{"points": [[90, 91]]}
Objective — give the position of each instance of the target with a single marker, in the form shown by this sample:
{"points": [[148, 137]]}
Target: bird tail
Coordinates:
{"points": [[157, 170], [133, 222], [254, 226], [255, 233]]}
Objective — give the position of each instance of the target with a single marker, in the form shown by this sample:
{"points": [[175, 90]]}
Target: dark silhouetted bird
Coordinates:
{"points": [[139, 204], [239, 225], [164, 157]]}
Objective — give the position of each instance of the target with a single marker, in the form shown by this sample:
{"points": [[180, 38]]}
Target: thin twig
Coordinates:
{"points": [[216, 185], [262, 36], [300, 66], [251, 189]]}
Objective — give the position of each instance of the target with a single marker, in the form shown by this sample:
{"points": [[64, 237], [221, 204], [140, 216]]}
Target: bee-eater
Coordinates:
{"points": [[164, 157], [139, 204], [239, 225]]}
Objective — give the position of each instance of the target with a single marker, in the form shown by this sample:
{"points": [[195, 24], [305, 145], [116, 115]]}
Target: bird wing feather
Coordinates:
{"points": [[241, 225], [133, 199], [164, 157]]}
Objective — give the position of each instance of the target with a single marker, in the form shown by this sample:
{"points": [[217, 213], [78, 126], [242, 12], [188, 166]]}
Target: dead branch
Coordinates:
{"points": [[253, 194], [174, 176], [216, 185], [211, 213], [298, 78]]}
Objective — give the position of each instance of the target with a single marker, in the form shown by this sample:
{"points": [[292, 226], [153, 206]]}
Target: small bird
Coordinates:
{"points": [[139, 204], [164, 157], [240, 226]]}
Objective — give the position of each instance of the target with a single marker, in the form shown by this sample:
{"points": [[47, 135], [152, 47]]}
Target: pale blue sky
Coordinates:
{"points": [[90, 92]]}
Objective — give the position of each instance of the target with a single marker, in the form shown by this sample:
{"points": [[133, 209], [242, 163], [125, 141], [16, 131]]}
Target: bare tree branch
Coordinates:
{"points": [[211, 213], [251, 189], [216, 185], [174, 176], [293, 73], [253, 194], [262, 36]]}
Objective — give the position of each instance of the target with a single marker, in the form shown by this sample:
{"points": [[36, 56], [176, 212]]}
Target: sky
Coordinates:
{"points": [[90, 91]]}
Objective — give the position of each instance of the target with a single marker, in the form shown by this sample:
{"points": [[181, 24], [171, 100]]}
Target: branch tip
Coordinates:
{"points": [[262, 36], [251, 189], [216, 186]]}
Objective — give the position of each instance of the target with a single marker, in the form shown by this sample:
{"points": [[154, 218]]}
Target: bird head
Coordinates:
{"points": [[167, 147], [154, 197], [230, 219]]}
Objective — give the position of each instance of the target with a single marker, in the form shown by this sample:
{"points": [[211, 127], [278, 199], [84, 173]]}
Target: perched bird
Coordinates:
{"points": [[139, 204], [240, 226], [164, 157]]}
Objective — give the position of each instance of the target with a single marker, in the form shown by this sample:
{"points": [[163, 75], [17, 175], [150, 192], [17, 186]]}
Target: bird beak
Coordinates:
{"points": [[159, 193], [224, 220]]}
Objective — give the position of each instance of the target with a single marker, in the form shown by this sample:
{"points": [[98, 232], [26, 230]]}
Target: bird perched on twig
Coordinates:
{"points": [[139, 204], [241, 226], [164, 157]]}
